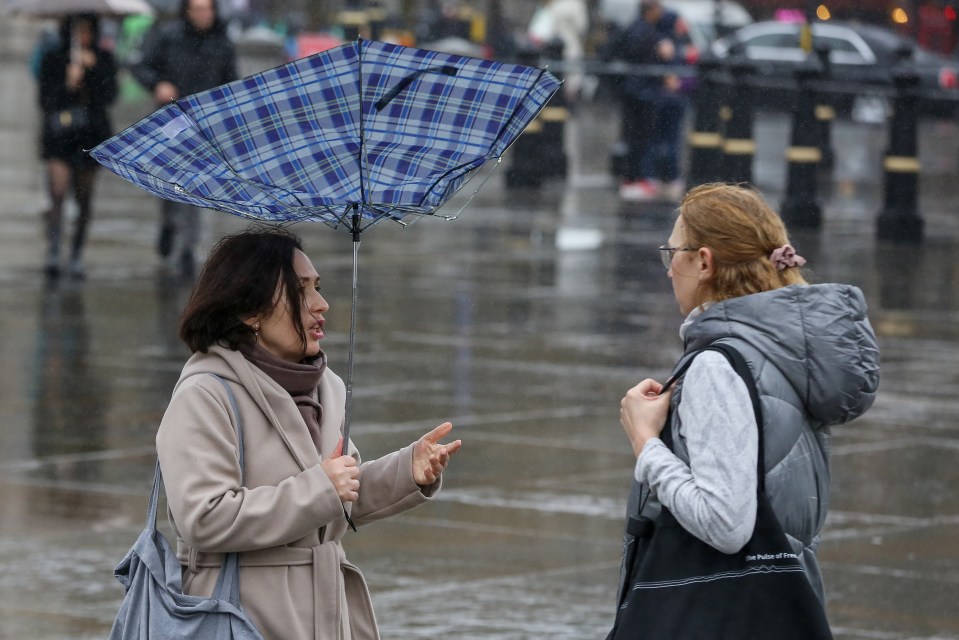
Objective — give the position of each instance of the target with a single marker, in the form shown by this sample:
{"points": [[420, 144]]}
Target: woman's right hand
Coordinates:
{"points": [[165, 92], [75, 73], [643, 412], [345, 476]]}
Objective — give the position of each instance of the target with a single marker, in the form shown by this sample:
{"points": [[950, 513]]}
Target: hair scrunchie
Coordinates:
{"points": [[785, 256]]}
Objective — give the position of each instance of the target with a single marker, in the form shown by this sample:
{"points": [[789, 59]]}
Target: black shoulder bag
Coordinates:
{"points": [[680, 588]]}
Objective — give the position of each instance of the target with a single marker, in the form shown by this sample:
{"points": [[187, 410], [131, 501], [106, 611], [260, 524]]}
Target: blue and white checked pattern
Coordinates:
{"points": [[305, 141]]}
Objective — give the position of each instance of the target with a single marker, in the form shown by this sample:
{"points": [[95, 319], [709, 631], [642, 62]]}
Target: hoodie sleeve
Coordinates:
{"points": [[714, 497]]}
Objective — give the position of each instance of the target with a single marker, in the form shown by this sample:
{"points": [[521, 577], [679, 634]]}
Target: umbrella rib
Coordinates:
{"points": [[442, 177], [489, 174], [519, 103], [239, 177], [362, 148]]}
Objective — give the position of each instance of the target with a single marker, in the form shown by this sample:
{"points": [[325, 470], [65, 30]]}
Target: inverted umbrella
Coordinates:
{"points": [[352, 136], [56, 8]]}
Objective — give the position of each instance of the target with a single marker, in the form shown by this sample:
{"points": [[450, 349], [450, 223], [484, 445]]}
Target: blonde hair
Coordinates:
{"points": [[741, 231]]}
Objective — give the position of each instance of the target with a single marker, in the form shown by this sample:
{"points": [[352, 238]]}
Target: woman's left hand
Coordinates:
{"points": [[430, 457]]}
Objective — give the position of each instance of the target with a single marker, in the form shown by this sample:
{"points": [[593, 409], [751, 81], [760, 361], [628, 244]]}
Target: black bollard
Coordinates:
{"points": [[527, 156], [355, 24], [553, 118], [377, 20], [825, 114], [525, 166], [706, 138], [899, 218], [800, 208], [738, 144]]}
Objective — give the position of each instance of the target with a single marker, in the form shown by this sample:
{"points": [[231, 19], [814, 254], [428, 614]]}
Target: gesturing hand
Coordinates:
{"points": [[430, 457], [345, 476]]}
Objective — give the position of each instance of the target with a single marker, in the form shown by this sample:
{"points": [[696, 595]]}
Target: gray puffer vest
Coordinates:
{"points": [[815, 359]]}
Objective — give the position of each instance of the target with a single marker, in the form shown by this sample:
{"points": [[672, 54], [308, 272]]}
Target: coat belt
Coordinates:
{"points": [[271, 557], [321, 557]]}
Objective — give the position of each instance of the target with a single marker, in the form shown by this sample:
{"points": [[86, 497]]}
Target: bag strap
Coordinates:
{"points": [[741, 367], [228, 582], [158, 475]]}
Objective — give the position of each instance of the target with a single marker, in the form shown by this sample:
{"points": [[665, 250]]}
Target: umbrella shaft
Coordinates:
{"points": [[349, 368]]}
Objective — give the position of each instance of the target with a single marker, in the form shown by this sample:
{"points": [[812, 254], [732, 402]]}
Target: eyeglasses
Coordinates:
{"points": [[666, 254]]}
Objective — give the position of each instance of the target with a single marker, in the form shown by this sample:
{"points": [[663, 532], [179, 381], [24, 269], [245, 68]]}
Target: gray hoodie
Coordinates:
{"points": [[815, 359]]}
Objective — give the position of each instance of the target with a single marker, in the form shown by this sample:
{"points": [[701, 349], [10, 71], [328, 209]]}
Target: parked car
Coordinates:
{"points": [[860, 56]]}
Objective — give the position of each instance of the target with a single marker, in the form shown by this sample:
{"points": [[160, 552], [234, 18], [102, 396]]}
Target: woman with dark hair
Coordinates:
{"points": [[813, 355], [77, 84], [255, 319]]}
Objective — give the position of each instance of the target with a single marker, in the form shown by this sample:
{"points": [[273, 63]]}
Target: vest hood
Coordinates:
{"points": [[818, 336]]}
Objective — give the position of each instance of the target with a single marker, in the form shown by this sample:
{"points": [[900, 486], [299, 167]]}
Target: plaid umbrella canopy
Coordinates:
{"points": [[361, 133]]}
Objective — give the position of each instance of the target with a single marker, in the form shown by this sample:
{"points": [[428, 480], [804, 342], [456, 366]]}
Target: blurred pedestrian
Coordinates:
{"points": [[565, 22], [183, 57], [815, 361], [442, 19], [48, 40], [256, 319], [639, 95], [665, 146], [77, 84]]}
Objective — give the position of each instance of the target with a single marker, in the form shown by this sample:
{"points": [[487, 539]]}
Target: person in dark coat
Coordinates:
{"points": [[77, 84], [180, 58], [664, 150], [639, 94]]}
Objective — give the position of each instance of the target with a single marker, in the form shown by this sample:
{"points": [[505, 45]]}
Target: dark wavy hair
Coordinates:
{"points": [[245, 275]]}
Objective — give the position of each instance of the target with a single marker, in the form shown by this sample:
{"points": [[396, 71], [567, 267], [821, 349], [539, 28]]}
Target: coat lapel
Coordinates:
{"points": [[332, 397], [267, 395]]}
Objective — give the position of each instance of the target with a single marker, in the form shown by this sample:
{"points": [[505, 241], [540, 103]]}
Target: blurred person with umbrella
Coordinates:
{"points": [[59, 8], [77, 84], [190, 54]]}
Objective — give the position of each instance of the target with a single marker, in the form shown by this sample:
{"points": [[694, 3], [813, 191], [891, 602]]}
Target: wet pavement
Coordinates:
{"points": [[523, 322]]}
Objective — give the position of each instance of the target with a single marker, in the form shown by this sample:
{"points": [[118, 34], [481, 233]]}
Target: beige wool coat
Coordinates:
{"points": [[285, 518]]}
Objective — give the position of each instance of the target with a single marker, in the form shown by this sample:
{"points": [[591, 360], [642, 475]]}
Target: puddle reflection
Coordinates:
{"points": [[69, 396]]}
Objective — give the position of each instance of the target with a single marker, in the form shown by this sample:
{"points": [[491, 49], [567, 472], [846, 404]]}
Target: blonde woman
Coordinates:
{"points": [[811, 350]]}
